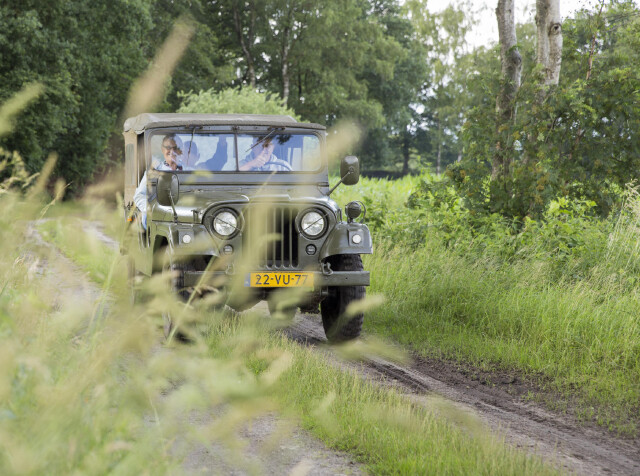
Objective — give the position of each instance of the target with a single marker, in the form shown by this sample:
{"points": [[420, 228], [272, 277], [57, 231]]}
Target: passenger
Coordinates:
{"points": [[261, 159], [171, 151]]}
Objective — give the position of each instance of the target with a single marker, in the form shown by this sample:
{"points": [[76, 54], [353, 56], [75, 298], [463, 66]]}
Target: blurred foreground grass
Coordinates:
{"points": [[121, 397]]}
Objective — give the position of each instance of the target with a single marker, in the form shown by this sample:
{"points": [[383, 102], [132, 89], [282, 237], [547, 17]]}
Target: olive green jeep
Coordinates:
{"points": [[240, 204]]}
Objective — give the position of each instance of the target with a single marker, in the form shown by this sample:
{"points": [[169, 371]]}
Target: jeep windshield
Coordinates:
{"points": [[271, 151]]}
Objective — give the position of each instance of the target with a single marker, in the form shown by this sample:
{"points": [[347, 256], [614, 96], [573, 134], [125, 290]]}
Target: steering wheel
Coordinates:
{"points": [[282, 163]]}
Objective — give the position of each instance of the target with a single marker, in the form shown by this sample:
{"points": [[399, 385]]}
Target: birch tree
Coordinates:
{"points": [[244, 25], [549, 40]]}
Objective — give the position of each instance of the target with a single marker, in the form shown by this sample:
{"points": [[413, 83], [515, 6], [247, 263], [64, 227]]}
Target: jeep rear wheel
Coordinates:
{"points": [[339, 327]]}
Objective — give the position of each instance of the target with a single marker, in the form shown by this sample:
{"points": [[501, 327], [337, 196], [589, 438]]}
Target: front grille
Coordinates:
{"points": [[270, 234]]}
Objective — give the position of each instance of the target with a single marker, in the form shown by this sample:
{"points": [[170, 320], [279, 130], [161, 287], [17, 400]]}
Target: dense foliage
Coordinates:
{"points": [[581, 140], [82, 53], [234, 101], [328, 60], [423, 97]]}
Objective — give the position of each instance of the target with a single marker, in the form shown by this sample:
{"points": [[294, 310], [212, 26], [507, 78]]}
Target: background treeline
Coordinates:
{"points": [[424, 97]]}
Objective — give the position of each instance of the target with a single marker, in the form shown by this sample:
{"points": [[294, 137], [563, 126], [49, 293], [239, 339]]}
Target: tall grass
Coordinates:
{"points": [[381, 428], [556, 300], [243, 369], [85, 385]]}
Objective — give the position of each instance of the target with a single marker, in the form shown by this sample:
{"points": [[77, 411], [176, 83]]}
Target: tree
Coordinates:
{"points": [[82, 53], [445, 89], [582, 141], [291, 19], [328, 60], [397, 140], [549, 39], [511, 62], [206, 63], [240, 101], [241, 26]]}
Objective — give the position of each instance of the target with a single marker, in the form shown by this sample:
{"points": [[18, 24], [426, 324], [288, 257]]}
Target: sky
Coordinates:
{"points": [[486, 32]]}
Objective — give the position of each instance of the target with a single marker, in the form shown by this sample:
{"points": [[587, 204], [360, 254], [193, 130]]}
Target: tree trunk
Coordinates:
{"points": [[549, 39], [511, 71], [285, 66], [246, 45]]}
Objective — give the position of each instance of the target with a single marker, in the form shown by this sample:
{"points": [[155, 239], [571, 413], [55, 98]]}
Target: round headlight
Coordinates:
{"points": [[312, 224], [225, 223]]}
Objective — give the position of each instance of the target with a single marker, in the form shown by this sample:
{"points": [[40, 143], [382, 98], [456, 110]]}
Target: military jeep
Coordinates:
{"points": [[252, 227]]}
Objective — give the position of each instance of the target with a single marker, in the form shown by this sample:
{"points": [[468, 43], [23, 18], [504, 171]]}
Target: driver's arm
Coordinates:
{"points": [[140, 195]]}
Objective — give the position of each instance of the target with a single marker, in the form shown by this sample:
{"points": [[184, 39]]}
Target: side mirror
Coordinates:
{"points": [[350, 170], [168, 189]]}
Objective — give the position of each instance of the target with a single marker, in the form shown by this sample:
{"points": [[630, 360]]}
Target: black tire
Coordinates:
{"points": [[337, 326], [177, 269], [241, 306]]}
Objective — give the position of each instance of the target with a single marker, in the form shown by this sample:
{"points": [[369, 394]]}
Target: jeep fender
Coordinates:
{"points": [[199, 241], [343, 240]]}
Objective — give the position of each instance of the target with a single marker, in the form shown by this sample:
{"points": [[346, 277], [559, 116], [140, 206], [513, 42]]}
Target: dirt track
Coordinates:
{"points": [[576, 448]]}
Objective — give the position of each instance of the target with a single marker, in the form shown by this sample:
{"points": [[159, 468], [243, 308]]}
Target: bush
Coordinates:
{"points": [[234, 101]]}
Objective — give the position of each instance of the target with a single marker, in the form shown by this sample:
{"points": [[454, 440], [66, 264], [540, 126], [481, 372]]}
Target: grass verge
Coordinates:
{"points": [[383, 429], [580, 339]]}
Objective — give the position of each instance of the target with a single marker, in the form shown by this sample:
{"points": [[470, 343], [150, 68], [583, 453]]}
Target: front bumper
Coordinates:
{"points": [[335, 278]]}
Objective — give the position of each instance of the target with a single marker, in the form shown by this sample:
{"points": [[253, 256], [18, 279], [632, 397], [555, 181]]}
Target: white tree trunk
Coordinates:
{"points": [[285, 66], [549, 38]]}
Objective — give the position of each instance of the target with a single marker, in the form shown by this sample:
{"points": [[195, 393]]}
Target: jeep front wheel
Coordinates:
{"points": [[339, 327]]}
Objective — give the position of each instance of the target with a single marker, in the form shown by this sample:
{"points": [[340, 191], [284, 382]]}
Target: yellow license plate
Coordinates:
{"points": [[279, 280]]}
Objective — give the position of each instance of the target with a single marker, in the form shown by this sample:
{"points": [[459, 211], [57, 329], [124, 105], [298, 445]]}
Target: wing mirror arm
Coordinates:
{"points": [[168, 190], [351, 170]]}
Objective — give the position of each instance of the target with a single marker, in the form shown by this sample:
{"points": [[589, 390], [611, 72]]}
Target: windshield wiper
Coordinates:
{"points": [[193, 130], [261, 140]]}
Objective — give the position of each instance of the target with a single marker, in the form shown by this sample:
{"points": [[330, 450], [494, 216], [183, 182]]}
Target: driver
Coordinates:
{"points": [[172, 152], [261, 159]]}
